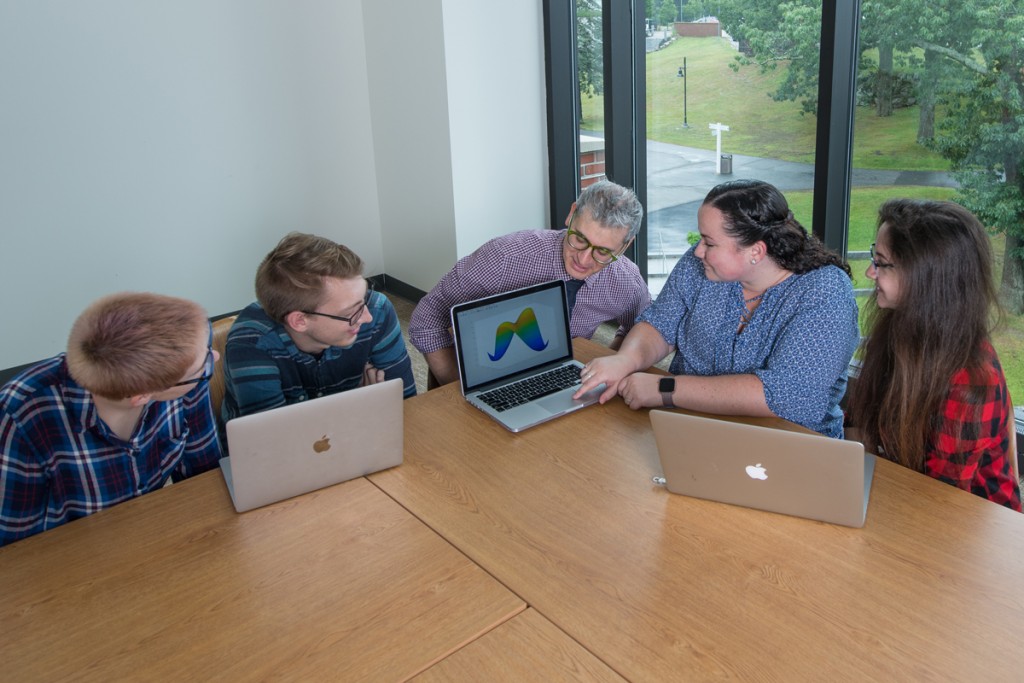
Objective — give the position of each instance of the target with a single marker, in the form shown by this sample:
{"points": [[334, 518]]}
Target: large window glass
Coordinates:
{"points": [[940, 115], [930, 93], [725, 101], [590, 99]]}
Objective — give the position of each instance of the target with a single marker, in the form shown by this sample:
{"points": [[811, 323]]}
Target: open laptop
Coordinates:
{"points": [[508, 343], [305, 446], [805, 475]]}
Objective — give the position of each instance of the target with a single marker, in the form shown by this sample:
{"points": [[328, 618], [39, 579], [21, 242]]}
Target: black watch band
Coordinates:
{"points": [[666, 386]]}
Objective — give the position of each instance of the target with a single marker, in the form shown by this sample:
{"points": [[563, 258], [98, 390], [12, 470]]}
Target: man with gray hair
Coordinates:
{"points": [[601, 284]]}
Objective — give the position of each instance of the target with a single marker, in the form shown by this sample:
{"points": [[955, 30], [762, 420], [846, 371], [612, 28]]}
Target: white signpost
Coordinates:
{"points": [[716, 130]]}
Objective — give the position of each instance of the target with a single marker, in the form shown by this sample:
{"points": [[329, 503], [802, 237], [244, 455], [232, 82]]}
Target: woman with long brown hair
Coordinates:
{"points": [[931, 393]]}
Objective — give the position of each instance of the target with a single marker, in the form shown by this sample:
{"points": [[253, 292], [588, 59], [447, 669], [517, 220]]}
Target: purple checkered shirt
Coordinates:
{"points": [[617, 292]]}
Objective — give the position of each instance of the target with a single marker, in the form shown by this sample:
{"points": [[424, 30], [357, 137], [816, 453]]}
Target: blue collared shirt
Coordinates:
{"points": [[59, 461], [798, 343]]}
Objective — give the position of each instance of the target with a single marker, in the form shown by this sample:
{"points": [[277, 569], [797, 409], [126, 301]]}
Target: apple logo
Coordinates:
{"points": [[322, 444], [756, 472]]}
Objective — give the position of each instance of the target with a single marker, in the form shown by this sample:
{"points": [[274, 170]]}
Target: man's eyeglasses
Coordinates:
{"points": [[577, 241], [879, 265], [351, 320], [207, 371]]}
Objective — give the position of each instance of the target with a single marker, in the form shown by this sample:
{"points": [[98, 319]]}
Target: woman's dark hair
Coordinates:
{"points": [[943, 315], [756, 211]]}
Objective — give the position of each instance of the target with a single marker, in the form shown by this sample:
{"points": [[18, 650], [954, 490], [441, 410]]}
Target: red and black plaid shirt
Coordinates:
{"points": [[970, 448]]}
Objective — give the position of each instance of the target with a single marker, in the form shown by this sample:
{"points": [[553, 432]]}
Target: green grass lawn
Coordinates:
{"points": [[758, 125]]}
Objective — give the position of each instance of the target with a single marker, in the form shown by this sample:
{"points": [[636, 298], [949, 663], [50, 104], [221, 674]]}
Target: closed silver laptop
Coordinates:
{"points": [[305, 446], [805, 475]]}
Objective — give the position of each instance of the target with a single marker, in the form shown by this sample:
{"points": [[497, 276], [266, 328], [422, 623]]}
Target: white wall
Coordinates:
{"points": [[412, 150], [166, 146], [458, 102], [497, 117]]}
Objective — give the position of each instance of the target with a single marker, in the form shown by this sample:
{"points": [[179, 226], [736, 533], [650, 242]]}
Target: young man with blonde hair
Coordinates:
{"points": [[126, 408], [317, 328]]}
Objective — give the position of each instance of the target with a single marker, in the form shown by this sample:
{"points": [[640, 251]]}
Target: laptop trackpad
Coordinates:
{"points": [[563, 401]]}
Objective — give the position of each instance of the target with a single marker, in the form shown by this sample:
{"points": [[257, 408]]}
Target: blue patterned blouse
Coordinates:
{"points": [[798, 343]]}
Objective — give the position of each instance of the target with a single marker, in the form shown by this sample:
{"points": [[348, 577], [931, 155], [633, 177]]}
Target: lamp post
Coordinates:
{"points": [[682, 74], [717, 129]]}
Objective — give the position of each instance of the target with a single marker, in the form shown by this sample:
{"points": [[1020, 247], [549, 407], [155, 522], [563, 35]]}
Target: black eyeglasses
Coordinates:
{"points": [[207, 371], [351, 320], [878, 264]]}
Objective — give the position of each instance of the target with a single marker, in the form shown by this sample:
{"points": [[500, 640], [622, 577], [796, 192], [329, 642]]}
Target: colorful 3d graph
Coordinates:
{"points": [[525, 327]]}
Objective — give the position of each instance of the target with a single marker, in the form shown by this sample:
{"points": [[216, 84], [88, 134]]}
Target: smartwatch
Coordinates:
{"points": [[666, 386]]}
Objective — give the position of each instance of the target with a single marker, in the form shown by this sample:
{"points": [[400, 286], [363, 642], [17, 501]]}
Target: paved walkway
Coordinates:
{"points": [[678, 178]]}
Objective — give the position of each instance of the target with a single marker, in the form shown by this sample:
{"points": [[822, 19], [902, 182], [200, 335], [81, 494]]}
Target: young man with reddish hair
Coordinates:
{"points": [[126, 408]]}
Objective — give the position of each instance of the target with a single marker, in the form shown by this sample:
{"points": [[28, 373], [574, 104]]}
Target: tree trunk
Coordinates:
{"points": [[1011, 289], [926, 98], [883, 85]]}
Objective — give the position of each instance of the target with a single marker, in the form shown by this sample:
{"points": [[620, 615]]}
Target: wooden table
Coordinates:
{"points": [[547, 555], [665, 587], [339, 584], [527, 647]]}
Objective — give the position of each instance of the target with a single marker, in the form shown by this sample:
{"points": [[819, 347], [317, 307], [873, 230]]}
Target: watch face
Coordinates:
{"points": [[667, 384]]}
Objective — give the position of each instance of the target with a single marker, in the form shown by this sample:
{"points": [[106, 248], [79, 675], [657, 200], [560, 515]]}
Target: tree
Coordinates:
{"points": [[785, 34], [941, 28], [742, 16], [589, 48], [880, 29], [906, 35], [666, 12], [963, 57], [982, 133]]}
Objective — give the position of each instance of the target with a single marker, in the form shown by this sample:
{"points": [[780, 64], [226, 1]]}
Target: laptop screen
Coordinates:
{"points": [[507, 334]]}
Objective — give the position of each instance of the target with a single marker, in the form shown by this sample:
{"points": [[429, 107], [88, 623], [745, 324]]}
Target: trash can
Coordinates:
{"points": [[726, 164]]}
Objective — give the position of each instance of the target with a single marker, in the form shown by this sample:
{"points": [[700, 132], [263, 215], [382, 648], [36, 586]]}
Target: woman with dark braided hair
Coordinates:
{"points": [[760, 314], [931, 394]]}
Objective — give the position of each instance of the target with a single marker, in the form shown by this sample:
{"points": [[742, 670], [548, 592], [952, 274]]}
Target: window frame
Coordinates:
{"points": [[625, 112]]}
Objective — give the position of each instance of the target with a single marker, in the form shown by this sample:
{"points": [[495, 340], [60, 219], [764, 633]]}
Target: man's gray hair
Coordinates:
{"points": [[613, 206]]}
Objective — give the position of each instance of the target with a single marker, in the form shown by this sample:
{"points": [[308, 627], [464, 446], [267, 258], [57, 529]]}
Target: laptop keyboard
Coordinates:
{"points": [[531, 388]]}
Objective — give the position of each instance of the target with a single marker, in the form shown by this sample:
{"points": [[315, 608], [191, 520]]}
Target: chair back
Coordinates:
{"points": [[1014, 464], [221, 328]]}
